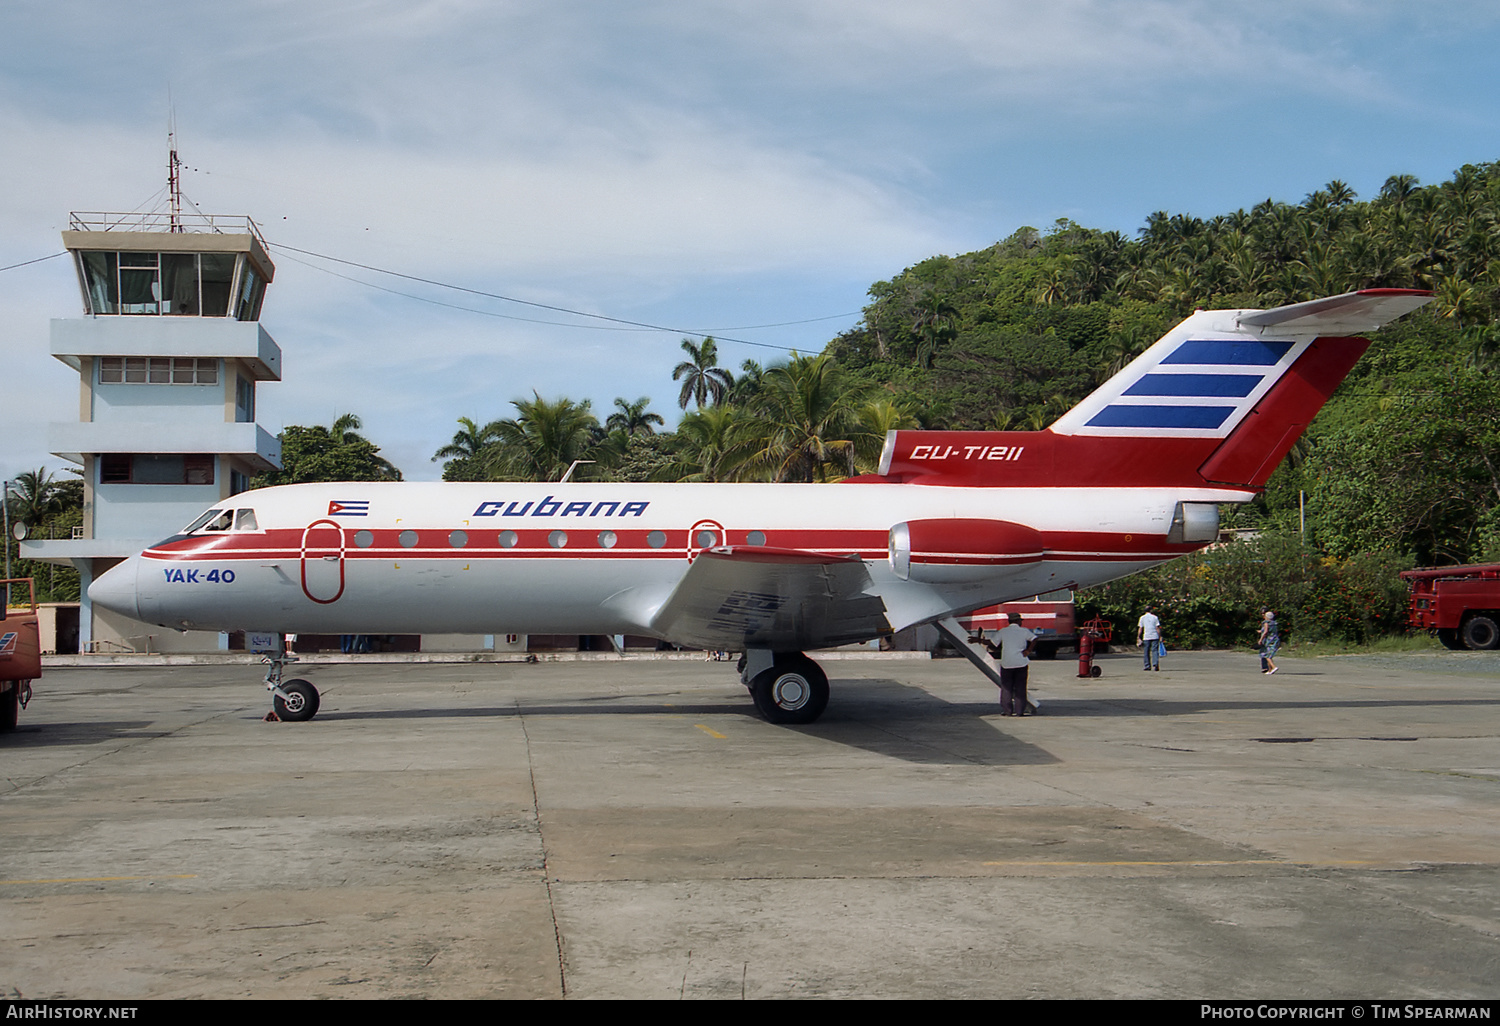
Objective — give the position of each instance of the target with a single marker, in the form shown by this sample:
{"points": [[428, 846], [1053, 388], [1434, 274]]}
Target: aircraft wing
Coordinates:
{"points": [[782, 599]]}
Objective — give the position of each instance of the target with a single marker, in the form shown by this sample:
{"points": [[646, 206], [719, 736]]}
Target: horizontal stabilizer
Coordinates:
{"points": [[1348, 314]]}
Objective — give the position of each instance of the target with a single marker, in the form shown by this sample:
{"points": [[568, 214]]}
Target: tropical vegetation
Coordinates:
{"points": [[1402, 467]]}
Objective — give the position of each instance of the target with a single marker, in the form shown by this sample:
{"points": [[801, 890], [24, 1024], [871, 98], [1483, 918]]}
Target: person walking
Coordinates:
{"points": [[1148, 636], [1270, 641], [1016, 644]]}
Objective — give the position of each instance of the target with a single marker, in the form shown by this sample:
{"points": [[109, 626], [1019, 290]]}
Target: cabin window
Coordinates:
{"points": [[507, 539], [607, 539], [458, 539], [707, 538], [656, 539], [408, 539], [364, 539], [755, 538], [557, 539]]}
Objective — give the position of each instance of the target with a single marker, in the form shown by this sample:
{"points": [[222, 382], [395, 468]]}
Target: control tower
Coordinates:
{"points": [[169, 353]]}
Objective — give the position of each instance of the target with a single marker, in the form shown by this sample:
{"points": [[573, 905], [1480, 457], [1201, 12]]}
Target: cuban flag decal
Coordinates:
{"points": [[8, 643], [357, 508]]}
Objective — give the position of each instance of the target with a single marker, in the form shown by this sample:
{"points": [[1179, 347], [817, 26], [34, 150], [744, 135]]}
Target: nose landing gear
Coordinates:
{"points": [[292, 701]]}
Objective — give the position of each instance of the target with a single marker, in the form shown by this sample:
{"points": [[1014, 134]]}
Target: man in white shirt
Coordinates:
{"points": [[1148, 636], [1014, 652]]}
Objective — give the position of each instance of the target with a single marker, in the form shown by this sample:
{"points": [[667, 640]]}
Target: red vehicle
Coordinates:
{"points": [[1050, 615], [20, 653], [1460, 604]]}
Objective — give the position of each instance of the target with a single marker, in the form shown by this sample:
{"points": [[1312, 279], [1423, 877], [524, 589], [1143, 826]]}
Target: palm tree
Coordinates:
{"points": [[463, 457], [345, 431], [805, 421], [932, 323], [702, 376], [709, 444], [543, 440], [876, 420], [33, 497], [746, 383], [634, 418]]}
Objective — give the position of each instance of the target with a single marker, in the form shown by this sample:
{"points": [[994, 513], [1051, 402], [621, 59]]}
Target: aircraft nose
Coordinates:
{"points": [[116, 590]]}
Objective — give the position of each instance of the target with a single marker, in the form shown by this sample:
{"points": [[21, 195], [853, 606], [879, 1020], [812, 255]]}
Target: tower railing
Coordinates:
{"points": [[163, 221]]}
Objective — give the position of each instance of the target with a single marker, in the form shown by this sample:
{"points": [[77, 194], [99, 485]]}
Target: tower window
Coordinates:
{"points": [[156, 468], [158, 370]]}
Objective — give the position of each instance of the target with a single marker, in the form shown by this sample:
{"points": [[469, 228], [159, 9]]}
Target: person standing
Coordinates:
{"points": [[1270, 641], [1148, 636], [1014, 652]]}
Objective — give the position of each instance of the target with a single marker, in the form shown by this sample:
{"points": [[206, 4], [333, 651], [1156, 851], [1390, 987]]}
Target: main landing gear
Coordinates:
{"points": [[294, 700], [788, 687]]}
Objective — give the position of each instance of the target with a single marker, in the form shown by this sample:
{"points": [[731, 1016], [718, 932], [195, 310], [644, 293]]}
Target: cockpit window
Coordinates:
{"points": [[205, 518], [221, 522], [244, 520]]}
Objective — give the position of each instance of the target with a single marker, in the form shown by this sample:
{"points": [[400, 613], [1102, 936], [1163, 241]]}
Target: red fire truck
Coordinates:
{"points": [[1050, 615], [1460, 604], [20, 652]]}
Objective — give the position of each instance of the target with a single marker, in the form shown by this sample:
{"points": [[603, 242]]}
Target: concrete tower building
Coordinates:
{"points": [[169, 353]]}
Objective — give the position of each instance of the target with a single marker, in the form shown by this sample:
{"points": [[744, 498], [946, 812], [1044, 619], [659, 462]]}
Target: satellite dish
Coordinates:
{"points": [[19, 530]]}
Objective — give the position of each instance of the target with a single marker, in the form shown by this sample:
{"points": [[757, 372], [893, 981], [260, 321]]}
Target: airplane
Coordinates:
{"points": [[1131, 477]]}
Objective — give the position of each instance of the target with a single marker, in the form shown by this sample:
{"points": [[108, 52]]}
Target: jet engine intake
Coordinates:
{"points": [[958, 551]]}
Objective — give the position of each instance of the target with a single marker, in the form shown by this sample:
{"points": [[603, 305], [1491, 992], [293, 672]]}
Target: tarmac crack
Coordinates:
{"points": [[536, 807]]}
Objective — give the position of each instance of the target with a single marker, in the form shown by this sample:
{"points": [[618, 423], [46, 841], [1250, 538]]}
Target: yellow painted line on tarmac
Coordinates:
{"points": [[1184, 862], [104, 879], [711, 732]]}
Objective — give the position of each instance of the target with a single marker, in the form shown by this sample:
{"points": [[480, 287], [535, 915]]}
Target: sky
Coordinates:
{"points": [[746, 169]]}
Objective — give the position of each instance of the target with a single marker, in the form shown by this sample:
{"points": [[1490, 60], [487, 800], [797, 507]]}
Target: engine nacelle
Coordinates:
{"points": [[958, 551]]}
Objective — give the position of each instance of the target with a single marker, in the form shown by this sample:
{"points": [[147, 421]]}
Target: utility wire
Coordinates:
{"points": [[455, 306], [38, 260], [539, 306]]}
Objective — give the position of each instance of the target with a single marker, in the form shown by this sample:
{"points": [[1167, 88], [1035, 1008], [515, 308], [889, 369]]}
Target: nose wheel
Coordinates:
{"points": [[297, 700], [293, 701]]}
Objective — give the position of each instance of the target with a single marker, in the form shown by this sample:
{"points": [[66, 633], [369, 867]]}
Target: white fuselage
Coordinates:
{"points": [[599, 558]]}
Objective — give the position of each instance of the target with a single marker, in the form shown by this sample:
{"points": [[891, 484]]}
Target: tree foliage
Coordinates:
{"points": [[335, 453]]}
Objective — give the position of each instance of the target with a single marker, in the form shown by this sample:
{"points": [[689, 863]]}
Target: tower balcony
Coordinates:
{"points": [[245, 341], [248, 442]]}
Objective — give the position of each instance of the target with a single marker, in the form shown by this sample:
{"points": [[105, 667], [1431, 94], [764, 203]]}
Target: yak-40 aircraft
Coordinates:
{"points": [[1129, 478]]}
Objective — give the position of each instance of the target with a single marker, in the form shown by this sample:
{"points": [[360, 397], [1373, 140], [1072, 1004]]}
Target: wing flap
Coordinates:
{"points": [[781, 599]]}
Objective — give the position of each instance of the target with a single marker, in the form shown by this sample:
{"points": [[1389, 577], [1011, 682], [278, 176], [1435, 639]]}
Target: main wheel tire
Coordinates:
{"points": [[794, 691], [301, 702], [10, 706], [1450, 639], [1481, 632]]}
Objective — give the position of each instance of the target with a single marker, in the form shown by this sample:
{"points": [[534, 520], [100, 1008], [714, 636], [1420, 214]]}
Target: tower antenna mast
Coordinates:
{"points": [[174, 174]]}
